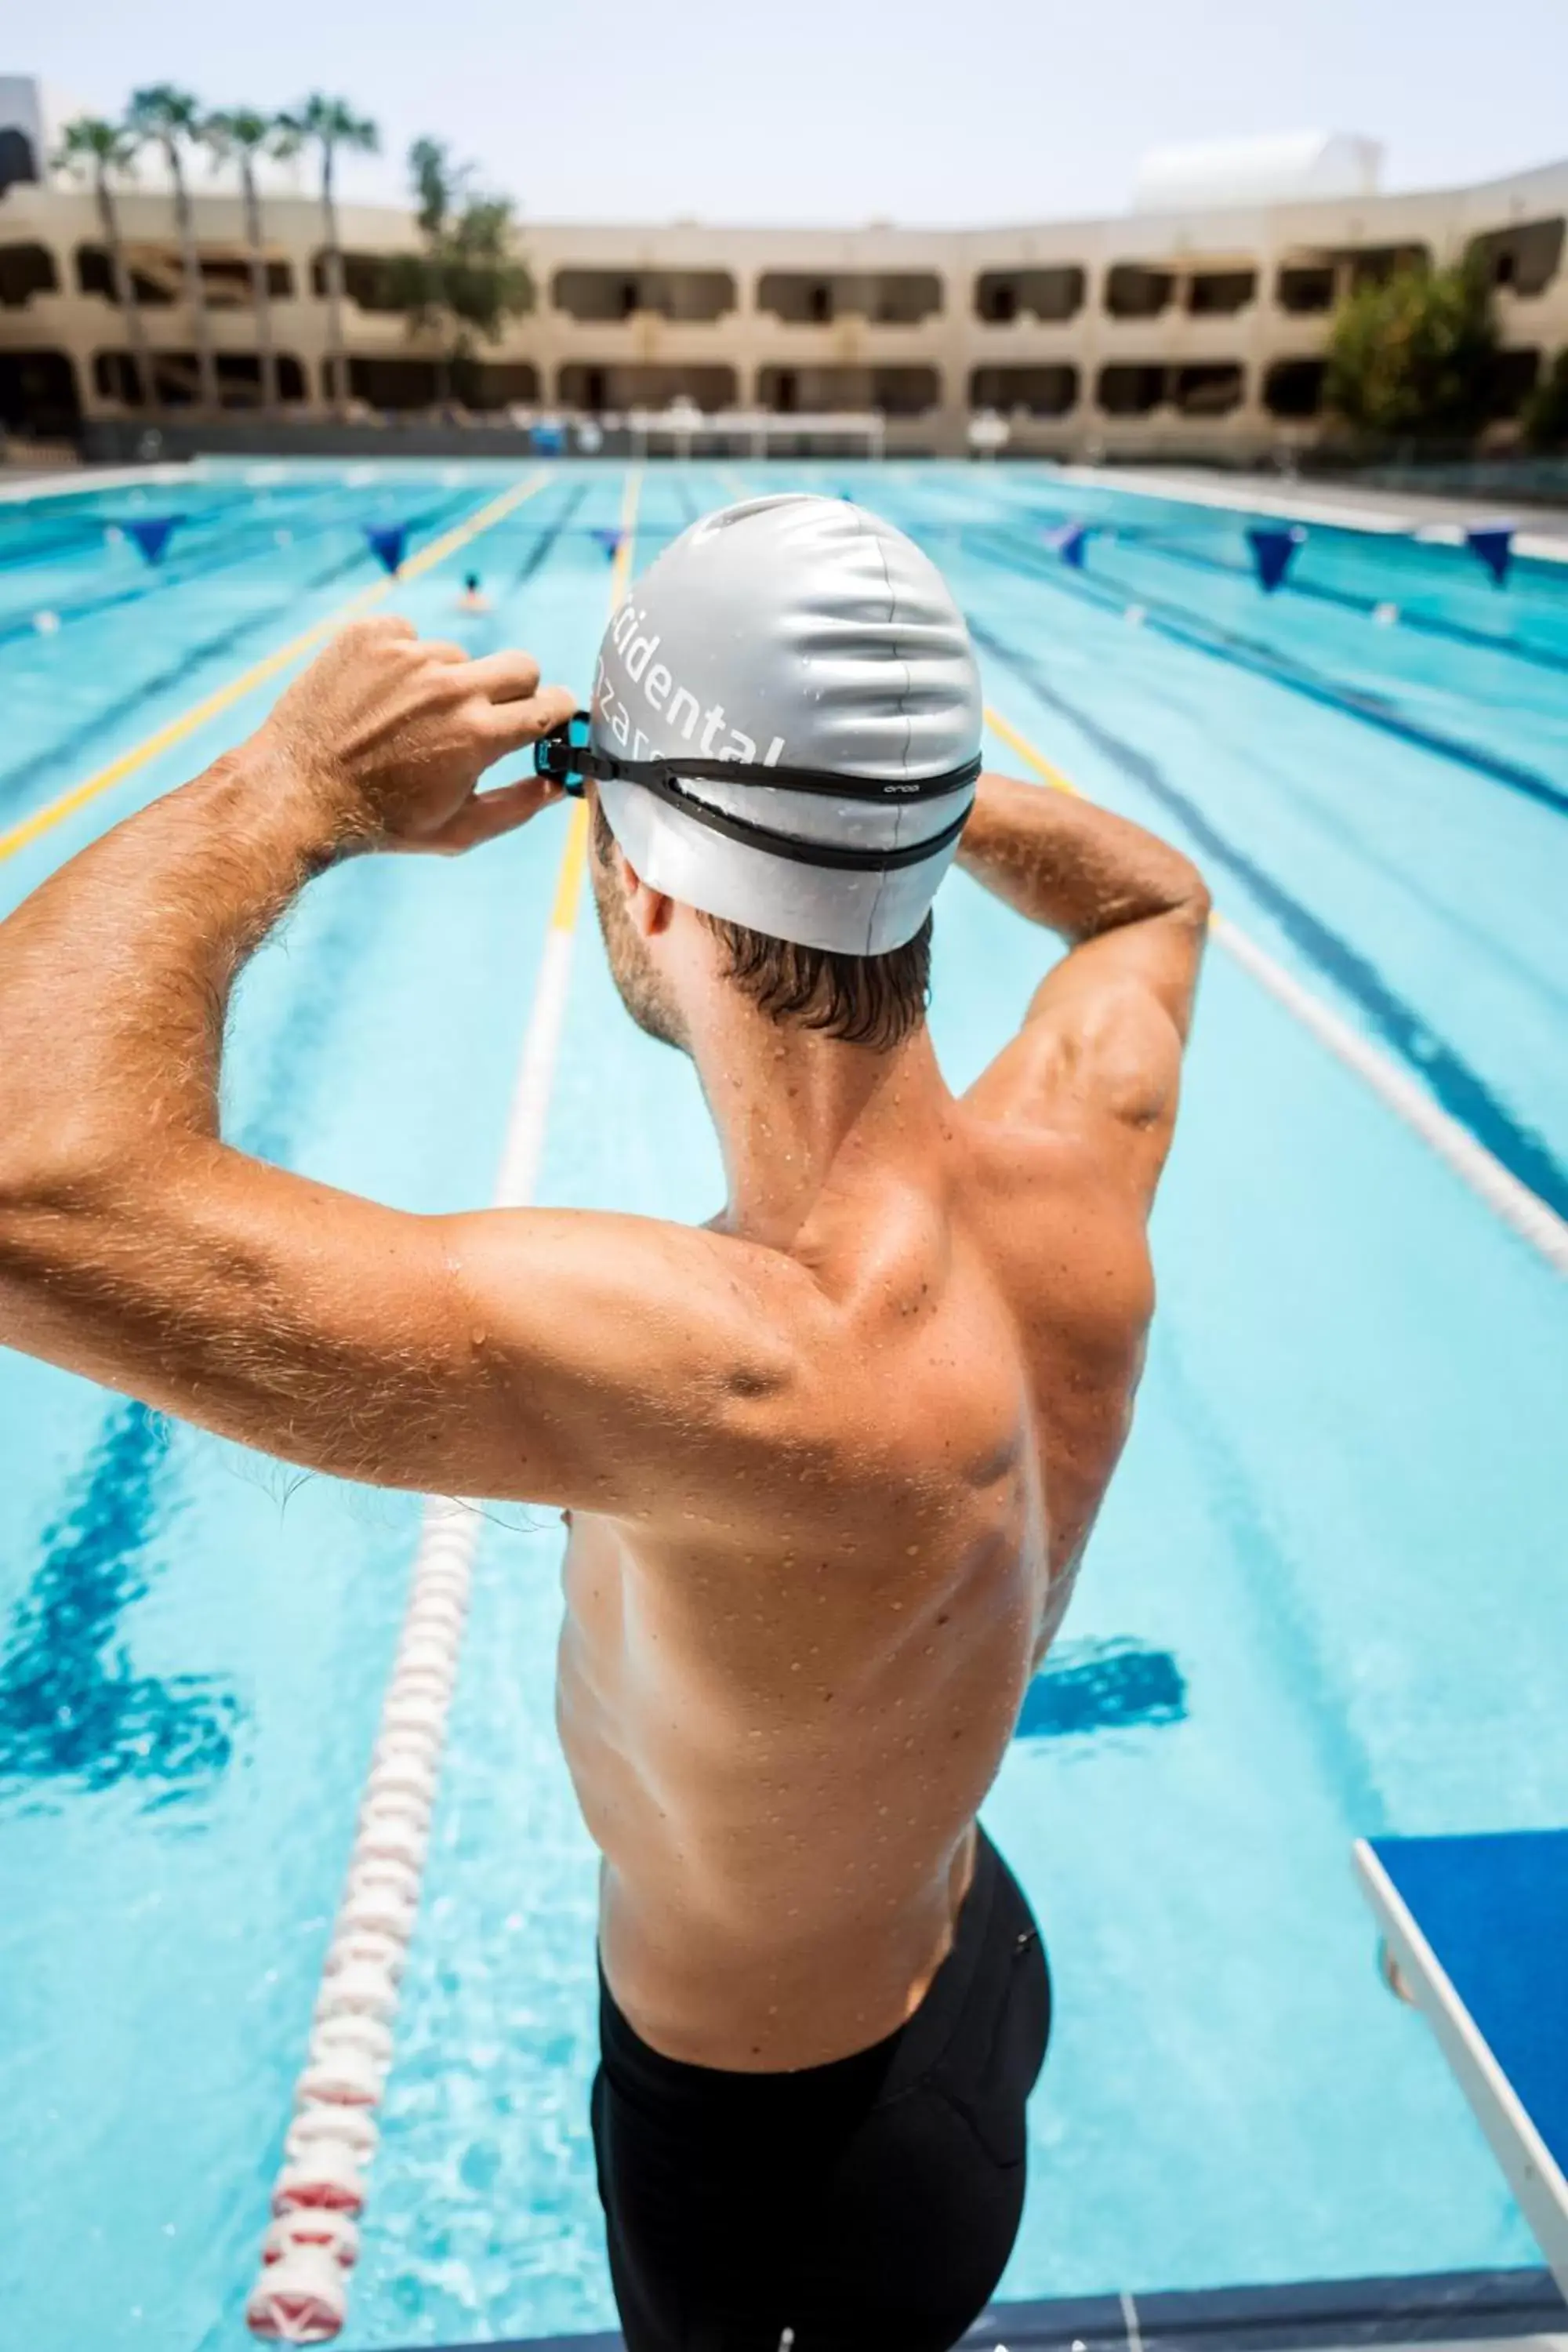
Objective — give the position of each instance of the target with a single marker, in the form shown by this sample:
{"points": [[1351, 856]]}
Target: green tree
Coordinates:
{"points": [[1413, 357], [242, 137], [469, 280], [92, 149], [333, 128], [170, 120], [1545, 419]]}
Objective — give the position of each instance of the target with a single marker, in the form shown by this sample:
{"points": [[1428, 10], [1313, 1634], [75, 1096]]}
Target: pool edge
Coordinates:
{"points": [[1427, 2307]]}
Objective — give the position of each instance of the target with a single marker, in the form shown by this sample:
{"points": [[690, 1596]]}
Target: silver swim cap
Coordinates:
{"points": [[805, 634]]}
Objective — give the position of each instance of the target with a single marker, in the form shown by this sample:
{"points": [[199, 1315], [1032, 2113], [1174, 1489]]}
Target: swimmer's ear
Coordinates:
{"points": [[649, 909]]}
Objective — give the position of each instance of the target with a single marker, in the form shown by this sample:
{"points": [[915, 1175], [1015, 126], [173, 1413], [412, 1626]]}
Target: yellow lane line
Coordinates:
{"points": [[44, 820], [573, 853], [1042, 767]]}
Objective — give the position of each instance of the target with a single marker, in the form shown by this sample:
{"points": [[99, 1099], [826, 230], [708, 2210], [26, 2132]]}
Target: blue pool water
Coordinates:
{"points": [[1326, 1599]]}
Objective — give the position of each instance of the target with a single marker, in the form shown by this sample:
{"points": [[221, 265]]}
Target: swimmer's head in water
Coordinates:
{"points": [[811, 649]]}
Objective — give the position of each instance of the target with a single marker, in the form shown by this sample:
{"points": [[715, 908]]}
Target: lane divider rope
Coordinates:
{"points": [[55, 811], [300, 2292], [1513, 1203]]}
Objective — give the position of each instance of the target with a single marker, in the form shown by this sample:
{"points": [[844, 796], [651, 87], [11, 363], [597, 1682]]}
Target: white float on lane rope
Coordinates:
{"points": [[301, 2294]]}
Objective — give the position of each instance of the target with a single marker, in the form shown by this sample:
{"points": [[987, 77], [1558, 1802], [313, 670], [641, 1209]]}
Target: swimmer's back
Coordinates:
{"points": [[781, 1726]]}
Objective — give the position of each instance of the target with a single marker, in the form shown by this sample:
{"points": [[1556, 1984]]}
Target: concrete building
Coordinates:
{"points": [[1194, 329]]}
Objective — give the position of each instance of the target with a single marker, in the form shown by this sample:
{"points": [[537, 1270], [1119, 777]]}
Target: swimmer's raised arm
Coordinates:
{"points": [[1103, 1036], [547, 1356]]}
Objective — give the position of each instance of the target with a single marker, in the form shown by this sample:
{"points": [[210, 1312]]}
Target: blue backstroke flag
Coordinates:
{"points": [[151, 533], [1493, 543], [1071, 542], [1273, 549], [386, 542]]}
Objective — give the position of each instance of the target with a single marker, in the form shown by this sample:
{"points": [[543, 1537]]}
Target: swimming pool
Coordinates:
{"points": [[1326, 1597]]}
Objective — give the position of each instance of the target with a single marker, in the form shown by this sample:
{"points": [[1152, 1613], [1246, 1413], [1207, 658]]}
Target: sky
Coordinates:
{"points": [[931, 112]]}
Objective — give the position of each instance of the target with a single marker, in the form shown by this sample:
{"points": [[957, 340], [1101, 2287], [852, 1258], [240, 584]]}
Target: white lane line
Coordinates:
{"points": [[1522, 1211]]}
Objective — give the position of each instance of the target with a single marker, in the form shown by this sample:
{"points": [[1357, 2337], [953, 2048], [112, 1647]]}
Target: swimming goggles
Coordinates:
{"points": [[567, 758]]}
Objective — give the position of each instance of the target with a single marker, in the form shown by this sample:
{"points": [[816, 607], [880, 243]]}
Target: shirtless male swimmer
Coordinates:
{"points": [[830, 1461]]}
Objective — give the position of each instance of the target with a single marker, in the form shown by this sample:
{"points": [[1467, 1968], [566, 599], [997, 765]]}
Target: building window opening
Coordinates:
{"points": [[1135, 291], [1050, 295], [1304, 288], [1525, 259], [1211, 390], [1220, 293], [1128, 391], [1024, 391], [38, 394], [603, 388], [94, 275], [1294, 388], [25, 270]]}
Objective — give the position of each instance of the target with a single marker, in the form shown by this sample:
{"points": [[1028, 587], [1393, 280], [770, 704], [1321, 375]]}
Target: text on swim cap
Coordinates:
{"points": [[676, 704]]}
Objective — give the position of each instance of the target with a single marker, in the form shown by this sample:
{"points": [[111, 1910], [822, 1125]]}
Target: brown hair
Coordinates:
{"points": [[872, 1001]]}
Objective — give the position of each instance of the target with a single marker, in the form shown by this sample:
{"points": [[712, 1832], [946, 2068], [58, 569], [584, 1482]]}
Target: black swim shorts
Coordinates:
{"points": [[866, 2206]]}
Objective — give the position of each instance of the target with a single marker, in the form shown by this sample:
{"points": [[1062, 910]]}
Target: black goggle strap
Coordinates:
{"points": [[567, 759]]}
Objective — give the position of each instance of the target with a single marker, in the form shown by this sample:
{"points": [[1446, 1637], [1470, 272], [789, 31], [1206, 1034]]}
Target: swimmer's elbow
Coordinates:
{"points": [[1190, 899], [43, 1197]]}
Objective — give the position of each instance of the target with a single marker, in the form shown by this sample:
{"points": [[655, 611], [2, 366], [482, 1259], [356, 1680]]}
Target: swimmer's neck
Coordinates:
{"points": [[799, 1114]]}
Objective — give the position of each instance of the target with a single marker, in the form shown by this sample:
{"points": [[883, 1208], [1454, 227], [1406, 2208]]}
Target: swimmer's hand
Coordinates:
{"points": [[394, 732]]}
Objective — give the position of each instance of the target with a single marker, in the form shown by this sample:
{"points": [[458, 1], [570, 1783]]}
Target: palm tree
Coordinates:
{"points": [[166, 117], [468, 278], [332, 126], [240, 137], [90, 147]]}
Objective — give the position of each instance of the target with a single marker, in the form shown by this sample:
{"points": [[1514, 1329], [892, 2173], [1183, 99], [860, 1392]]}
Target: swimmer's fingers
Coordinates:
{"points": [[512, 675], [486, 816], [513, 725]]}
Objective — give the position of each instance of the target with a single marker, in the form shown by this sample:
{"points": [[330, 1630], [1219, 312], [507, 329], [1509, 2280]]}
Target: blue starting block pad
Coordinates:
{"points": [[1477, 1930]]}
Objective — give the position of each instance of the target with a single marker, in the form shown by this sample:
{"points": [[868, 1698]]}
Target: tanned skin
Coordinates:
{"points": [[830, 1461]]}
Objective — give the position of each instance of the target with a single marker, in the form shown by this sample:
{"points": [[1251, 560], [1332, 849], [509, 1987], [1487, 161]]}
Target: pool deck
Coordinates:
{"points": [[1484, 2311], [1542, 530]]}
